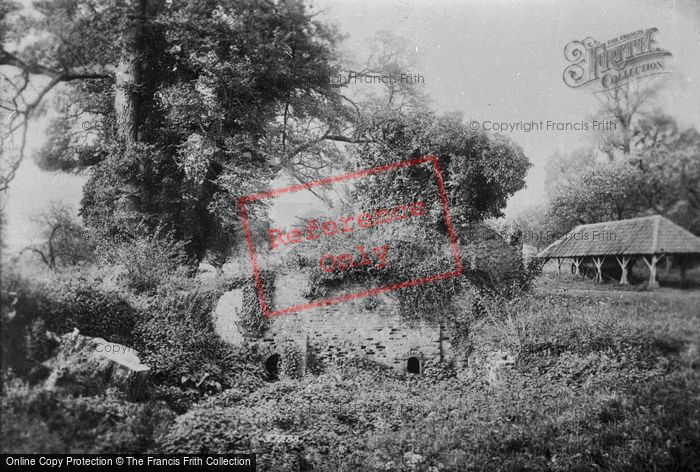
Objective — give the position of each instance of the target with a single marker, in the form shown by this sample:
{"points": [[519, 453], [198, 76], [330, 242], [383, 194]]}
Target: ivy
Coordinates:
{"points": [[251, 320], [290, 361]]}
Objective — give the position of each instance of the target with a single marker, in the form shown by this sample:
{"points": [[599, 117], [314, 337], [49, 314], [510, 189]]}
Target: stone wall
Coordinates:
{"points": [[357, 328], [370, 327]]}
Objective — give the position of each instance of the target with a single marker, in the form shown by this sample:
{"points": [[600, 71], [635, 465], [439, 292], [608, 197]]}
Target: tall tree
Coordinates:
{"points": [[652, 166], [480, 171], [562, 167], [179, 107], [624, 106], [64, 240]]}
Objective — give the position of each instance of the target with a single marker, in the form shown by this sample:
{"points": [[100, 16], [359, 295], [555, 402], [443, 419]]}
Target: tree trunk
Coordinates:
{"points": [[126, 96], [577, 264], [598, 261], [651, 264], [623, 265], [128, 76]]}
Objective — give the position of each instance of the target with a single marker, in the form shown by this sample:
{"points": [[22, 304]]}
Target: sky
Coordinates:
{"points": [[497, 61], [503, 61]]}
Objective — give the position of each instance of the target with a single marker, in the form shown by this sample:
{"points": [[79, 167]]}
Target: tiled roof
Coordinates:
{"points": [[636, 236]]}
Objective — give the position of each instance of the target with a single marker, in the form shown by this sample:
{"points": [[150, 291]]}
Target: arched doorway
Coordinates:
{"points": [[413, 365], [272, 367]]}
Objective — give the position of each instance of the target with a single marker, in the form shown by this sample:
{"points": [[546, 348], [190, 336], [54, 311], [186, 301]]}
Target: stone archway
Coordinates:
{"points": [[413, 365]]}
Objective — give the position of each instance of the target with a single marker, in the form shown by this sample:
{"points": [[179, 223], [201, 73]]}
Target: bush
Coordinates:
{"points": [[148, 260], [176, 338], [39, 421], [94, 312], [205, 431], [59, 303]]}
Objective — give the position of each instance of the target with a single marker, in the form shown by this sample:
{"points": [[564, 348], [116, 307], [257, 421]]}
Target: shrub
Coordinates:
{"points": [[60, 303], [147, 260], [414, 258], [176, 338], [205, 431], [94, 312], [40, 421]]}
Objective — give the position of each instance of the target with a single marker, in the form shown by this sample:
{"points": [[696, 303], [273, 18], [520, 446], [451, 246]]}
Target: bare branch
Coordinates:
{"points": [[38, 251], [23, 110]]}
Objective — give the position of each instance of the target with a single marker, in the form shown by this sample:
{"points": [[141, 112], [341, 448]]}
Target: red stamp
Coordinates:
{"points": [[319, 230]]}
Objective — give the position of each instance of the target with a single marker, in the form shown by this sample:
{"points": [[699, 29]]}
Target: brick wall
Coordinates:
{"points": [[357, 328], [370, 327]]}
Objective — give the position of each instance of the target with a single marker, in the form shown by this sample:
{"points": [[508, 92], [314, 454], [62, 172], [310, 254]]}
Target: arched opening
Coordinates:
{"points": [[272, 367], [413, 365]]}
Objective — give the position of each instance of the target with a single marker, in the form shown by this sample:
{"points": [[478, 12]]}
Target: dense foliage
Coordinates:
{"points": [[30, 307], [38, 420], [179, 107], [169, 324], [479, 171]]}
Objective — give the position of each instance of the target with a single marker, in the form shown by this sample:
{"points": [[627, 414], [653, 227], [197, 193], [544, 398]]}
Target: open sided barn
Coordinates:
{"points": [[622, 242]]}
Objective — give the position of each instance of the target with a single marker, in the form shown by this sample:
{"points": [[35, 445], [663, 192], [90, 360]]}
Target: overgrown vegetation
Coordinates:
{"points": [[599, 383], [251, 320], [141, 295], [38, 420], [58, 303], [595, 386]]}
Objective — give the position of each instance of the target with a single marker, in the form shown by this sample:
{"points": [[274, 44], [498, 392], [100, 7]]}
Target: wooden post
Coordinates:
{"points": [[623, 265], [652, 269], [598, 261], [559, 261], [577, 264]]}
